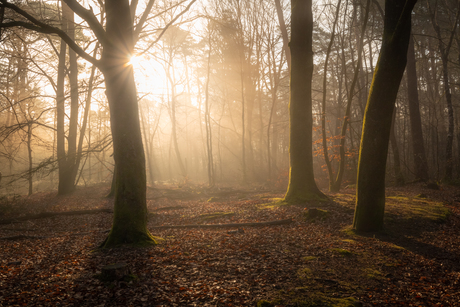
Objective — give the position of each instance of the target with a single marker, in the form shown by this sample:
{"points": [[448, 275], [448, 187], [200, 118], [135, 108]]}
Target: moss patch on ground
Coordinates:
{"points": [[402, 207], [342, 252]]}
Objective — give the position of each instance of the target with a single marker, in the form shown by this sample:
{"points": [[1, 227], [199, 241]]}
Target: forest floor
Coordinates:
{"points": [[54, 261]]}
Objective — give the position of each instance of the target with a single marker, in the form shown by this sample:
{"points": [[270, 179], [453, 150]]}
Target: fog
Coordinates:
{"points": [[213, 92]]}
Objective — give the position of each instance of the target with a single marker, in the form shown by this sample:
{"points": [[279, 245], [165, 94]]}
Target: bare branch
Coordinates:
{"points": [[142, 20], [90, 19], [168, 25], [42, 27]]}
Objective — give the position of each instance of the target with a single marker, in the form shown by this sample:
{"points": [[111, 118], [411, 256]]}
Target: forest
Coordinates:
{"points": [[229, 153]]}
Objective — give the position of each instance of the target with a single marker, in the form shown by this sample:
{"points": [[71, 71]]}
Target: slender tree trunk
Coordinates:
{"points": [[73, 117], [172, 113], [67, 166], [63, 187], [420, 161], [85, 119], [370, 194], [182, 168], [284, 33], [330, 172], [211, 177], [444, 50], [351, 94], [146, 132], [302, 186], [399, 178], [243, 127], [29, 152]]}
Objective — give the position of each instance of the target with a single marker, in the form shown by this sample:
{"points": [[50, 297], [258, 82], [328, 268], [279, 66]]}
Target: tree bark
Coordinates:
{"points": [[330, 172], [420, 161], [351, 94], [207, 117], [444, 50], [60, 125], [370, 194], [130, 208], [67, 166], [284, 33], [302, 186], [399, 178]]}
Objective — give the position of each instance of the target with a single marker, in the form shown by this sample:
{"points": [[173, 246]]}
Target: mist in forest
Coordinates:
{"points": [[213, 91]]}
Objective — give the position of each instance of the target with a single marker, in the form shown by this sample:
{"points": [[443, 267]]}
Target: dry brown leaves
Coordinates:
{"points": [[212, 267]]}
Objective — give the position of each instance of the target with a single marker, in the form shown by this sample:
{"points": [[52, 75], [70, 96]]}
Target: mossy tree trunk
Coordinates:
{"points": [[302, 186], [370, 194], [130, 209], [117, 40]]}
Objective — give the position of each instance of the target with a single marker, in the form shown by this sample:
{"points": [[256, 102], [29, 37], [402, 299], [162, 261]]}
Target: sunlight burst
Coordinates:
{"points": [[135, 60]]}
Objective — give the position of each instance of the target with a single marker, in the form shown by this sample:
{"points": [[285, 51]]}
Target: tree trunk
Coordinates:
{"points": [[351, 94], [65, 185], [85, 121], [67, 166], [73, 82], [330, 172], [130, 208], [420, 161], [399, 178], [302, 186], [370, 194], [29, 153], [444, 50], [284, 33], [172, 113], [207, 118], [243, 106]]}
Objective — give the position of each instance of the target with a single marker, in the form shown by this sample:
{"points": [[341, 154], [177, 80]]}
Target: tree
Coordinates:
{"points": [[68, 167], [207, 114], [420, 161], [370, 194], [334, 184], [444, 49], [284, 33], [117, 40], [302, 186]]}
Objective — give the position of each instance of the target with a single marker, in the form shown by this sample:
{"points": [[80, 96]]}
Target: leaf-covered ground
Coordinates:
{"points": [[53, 261]]}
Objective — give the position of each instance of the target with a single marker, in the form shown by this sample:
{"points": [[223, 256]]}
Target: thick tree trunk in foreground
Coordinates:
{"points": [[302, 186], [130, 209], [117, 39], [420, 161], [370, 194]]}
